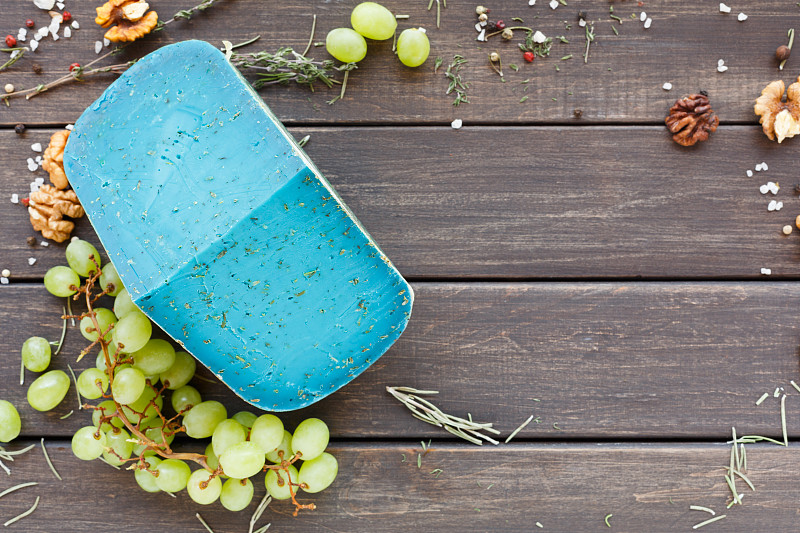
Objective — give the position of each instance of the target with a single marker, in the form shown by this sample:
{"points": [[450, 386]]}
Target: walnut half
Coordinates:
{"points": [[779, 119], [48, 206], [53, 160], [691, 119], [129, 19]]}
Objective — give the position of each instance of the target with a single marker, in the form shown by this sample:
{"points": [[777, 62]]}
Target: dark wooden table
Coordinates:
{"points": [[587, 271]]}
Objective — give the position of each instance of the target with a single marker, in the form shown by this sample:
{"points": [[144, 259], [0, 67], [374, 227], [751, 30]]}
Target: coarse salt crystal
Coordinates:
{"points": [[773, 187], [478, 27], [46, 244], [43, 31], [98, 45], [44, 4], [456, 124], [36, 147], [778, 206], [765, 271], [553, 4], [69, 127], [723, 8], [481, 36], [530, 3], [749, 173], [55, 36], [643, 16], [21, 37], [60, 5], [36, 38], [764, 165], [15, 200], [741, 17], [39, 181], [539, 37], [75, 26], [67, 35], [773, 205], [32, 166], [758, 167], [667, 86], [648, 23], [32, 261], [764, 189], [720, 62], [722, 68], [106, 42], [34, 44], [4, 281], [582, 23], [38, 159], [23, 31], [34, 187]]}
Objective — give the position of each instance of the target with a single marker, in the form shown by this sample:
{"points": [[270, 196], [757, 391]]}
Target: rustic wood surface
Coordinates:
{"points": [[587, 271]]}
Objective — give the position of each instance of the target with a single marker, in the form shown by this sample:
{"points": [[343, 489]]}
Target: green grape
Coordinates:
{"points": [[145, 479], [317, 474], [373, 21], [36, 354], [79, 257], [413, 47], [226, 434], [88, 443], [310, 438], [62, 281], [267, 432], [142, 405], [346, 45], [154, 357], [132, 331], [173, 474], [245, 418], [236, 494], [123, 304], [212, 460], [88, 383], [185, 398], [285, 446], [242, 460], [48, 390], [129, 384], [277, 487], [107, 409], [117, 440], [105, 318], [10, 423], [202, 419], [207, 495], [110, 280], [181, 371]]}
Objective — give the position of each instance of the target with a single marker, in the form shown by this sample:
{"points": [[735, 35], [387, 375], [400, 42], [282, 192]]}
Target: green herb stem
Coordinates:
{"points": [[701, 508], [709, 521], [50, 463], [23, 515]]}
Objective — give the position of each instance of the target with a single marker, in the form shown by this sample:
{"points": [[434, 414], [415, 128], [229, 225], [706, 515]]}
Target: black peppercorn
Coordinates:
{"points": [[37, 68], [577, 113], [19, 129], [31, 241]]}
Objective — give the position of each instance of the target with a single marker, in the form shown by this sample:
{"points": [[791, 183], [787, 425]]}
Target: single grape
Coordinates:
{"points": [[285, 446], [242, 460], [373, 21], [129, 384], [413, 47], [79, 257], [199, 494], [245, 418], [154, 357], [145, 479], [105, 318], [202, 419], [110, 280], [267, 432], [36, 353], [48, 390], [318, 474], [310, 438], [212, 460], [226, 434], [143, 405], [173, 474], [10, 423], [181, 371], [117, 440], [106, 408], [88, 443], [278, 487], [92, 383], [346, 45], [184, 398], [61, 281], [236, 494], [123, 304], [132, 331]]}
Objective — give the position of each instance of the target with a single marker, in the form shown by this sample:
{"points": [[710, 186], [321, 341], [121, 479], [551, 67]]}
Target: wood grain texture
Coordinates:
{"points": [[566, 488], [621, 83], [526, 202], [605, 361]]}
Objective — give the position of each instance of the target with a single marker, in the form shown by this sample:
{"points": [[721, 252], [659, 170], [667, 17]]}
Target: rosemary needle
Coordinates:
{"points": [[23, 515], [77, 393], [17, 487], [50, 463], [609, 515], [763, 397], [521, 426], [701, 508], [109, 464], [783, 421], [709, 521], [258, 512], [63, 333], [204, 523], [5, 468], [66, 415]]}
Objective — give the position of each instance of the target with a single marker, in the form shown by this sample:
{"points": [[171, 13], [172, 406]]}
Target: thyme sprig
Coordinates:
{"points": [[285, 66], [16, 55], [540, 49], [453, 73], [424, 410], [589, 40]]}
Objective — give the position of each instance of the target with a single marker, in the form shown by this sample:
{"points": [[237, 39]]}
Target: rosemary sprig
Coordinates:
{"points": [[424, 410], [453, 73]]}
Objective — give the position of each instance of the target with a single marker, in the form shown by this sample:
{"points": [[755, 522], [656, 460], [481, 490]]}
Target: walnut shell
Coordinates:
{"points": [[129, 19]]}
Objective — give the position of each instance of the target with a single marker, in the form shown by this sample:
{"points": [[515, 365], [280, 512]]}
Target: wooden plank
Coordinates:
{"points": [[621, 82], [604, 361], [526, 202], [563, 487]]}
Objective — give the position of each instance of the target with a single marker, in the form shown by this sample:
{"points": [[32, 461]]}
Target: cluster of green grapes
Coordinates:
{"points": [[129, 425], [373, 21]]}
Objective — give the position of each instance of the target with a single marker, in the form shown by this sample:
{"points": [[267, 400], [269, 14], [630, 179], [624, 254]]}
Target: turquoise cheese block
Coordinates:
{"points": [[226, 234]]}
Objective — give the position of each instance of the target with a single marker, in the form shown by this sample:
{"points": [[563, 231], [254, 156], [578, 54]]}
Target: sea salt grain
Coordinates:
{"points": [[721, 66], [764, 189], [553, 4], [70, 126], [582, 23], [648, 23], [36, 147], [32, 261], [765, 271], [106, 42], [773, 187], [456, 124], [764, 166], [61, 6], [539, 37], [778, 206], [749, 173], [643, 16], [530, 3], [723, 8], [98, 45], [67, 35], [46, 244], [34, 45], [741, 17], [15, 200], [667, 86], [32, 166], [75, 25], [39, 181], [4, 281]]}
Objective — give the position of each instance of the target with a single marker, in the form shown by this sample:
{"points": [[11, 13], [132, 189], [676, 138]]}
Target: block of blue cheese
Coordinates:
{"points": [[226, 234]]}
